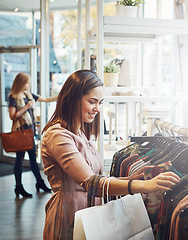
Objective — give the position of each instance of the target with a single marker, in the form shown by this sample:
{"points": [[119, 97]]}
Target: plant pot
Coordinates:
{"points": [[126, 11], [111, 79], [120, 10], [130, 11]]}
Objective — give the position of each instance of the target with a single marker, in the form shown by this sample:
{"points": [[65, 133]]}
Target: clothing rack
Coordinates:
{"points": [[164, 151], [170, 130], [165, 129]]}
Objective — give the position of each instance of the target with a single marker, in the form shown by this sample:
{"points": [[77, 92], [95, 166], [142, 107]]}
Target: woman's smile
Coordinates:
{"points": [[91, 104]]}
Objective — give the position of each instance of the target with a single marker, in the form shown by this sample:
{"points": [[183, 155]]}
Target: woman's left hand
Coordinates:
{"points": [[162, 182]]}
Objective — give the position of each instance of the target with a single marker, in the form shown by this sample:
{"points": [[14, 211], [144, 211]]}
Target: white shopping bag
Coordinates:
{"points": [[121, 219]]}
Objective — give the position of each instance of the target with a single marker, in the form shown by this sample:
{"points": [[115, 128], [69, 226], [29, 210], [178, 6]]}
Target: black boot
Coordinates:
{"points": [[42, 185], [20, 190]]}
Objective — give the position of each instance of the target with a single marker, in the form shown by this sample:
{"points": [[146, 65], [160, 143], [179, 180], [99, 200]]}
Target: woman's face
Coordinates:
{"points": [[27, 86], [91, 104]]}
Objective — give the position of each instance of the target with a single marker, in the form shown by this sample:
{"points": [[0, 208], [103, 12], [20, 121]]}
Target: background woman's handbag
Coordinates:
{"points": [[16, 141], [121, 219]]}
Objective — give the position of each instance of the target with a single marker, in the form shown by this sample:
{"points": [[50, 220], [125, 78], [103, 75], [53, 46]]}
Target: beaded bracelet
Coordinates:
{"points": [[129, 187]]}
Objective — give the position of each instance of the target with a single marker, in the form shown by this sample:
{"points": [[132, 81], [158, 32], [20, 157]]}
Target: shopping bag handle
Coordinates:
{"points": [[107, 189]]}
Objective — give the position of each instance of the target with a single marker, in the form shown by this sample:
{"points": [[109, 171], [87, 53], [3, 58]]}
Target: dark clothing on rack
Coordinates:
{"points": [[125, 152], [153, 200], [125, 163], [164, 154], [169, 202]]}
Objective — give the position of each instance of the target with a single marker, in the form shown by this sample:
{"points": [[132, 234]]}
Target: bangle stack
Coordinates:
{"points": [[129, 187]]}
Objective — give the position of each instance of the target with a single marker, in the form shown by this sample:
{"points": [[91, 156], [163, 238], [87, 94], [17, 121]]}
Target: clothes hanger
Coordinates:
{"points": [[152, 148], [160, 146], [168, 145], [170, 154], [174, 148], [180, 162]]}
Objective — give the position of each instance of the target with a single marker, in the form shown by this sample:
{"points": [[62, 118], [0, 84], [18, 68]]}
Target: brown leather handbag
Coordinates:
{"points": [[17, 141]]}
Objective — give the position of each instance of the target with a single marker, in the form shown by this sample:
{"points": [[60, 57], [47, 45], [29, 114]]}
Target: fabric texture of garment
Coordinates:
{"points": [[177, 219], [69, 163], [118, 156], [125, 162], [169, 202]]}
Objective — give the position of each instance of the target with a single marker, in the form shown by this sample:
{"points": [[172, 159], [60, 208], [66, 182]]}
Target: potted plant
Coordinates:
{"points": [[111, 74], [133, 3], [128, 8]]}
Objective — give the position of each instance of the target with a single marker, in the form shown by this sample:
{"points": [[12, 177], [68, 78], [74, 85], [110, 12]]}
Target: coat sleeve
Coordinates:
{"points": [[62, 147]]}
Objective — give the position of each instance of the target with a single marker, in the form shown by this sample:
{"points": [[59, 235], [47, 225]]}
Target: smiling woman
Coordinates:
{"points": [[91, 104], [71, 159]]}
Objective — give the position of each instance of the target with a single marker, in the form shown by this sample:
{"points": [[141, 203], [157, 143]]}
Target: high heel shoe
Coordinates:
{"points": [[20, 190], [42, 185]]}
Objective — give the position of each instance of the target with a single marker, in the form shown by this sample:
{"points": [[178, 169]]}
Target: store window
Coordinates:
{"points": [[16, 29]]}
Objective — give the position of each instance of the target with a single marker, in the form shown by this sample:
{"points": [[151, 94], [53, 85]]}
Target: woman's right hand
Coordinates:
{"points": [[162, 182], [30, 104]]}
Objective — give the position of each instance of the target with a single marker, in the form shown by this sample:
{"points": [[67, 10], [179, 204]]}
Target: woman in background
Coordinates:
{"points": [[71, 159], [22, 112]]}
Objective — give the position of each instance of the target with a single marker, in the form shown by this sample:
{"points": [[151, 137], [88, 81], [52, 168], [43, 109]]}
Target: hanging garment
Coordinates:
{"points": [[159, 151], [123, 152], [124, 164], [183, 225], [153, 200], [169, 202], [179, 221]]}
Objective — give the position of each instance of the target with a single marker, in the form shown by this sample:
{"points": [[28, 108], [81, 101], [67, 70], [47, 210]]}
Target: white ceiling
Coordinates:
{"points": [[34, 5]]}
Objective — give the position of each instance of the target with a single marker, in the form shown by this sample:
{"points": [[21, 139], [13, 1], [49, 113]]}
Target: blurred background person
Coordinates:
{"points": [[22, 113]]}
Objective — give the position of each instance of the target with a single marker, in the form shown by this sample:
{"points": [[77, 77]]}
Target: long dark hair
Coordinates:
{"points": [[68, 110]]}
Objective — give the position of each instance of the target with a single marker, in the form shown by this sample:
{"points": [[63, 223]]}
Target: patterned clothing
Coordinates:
{"points": [[153, 200], [125, 152], [169, 202], [125, 162]]}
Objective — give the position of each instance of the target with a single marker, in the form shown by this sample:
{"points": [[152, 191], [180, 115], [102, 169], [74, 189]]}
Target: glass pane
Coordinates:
{"points": [[11, 65], [16, 29]]}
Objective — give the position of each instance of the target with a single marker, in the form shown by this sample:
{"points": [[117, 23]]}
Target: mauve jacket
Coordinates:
{"points": [[69, 162]]}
